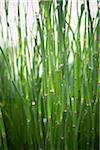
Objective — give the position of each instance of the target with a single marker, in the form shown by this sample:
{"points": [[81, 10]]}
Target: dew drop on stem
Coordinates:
{"points": [[44, 120], [62, 138], [33, 103]]}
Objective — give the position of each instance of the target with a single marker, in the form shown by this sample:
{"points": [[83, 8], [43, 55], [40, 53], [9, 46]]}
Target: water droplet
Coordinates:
{"points": [[82, 99], [87, 143], [61, 84], [61, 65], [51, 91], [45, 95], [45, 60], [44, 120], [28, 120], [90, 68], [62, 138], [72, 99], [73, 126], [59, 103], [87, 104], [33, 103], [93, 114], [65, 111]]}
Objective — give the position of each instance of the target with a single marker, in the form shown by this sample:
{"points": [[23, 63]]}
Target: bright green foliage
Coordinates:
{"points": [[59, 109]]}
